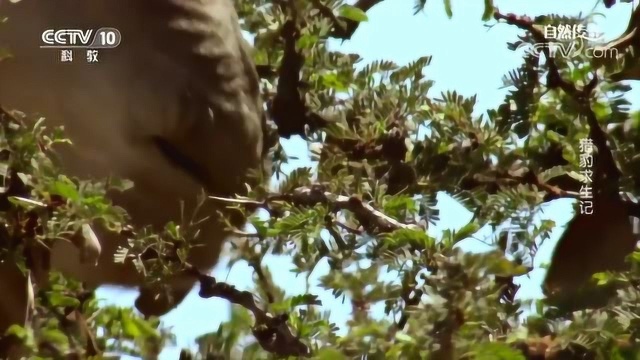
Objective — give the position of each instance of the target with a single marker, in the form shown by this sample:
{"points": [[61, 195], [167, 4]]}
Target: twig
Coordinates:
{"points": [[372, 220], [606, 165], [508, 288], [343, 27], [348, 228], [272, 332], [245, 234], [329, 223], [288, 107], [632, 34], [262, 278], [529, 178]]}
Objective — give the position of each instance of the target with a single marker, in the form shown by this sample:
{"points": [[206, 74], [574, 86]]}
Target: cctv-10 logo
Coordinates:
{"points": [[103, 38]]}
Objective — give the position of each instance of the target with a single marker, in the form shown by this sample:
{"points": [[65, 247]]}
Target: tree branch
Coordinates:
{"points": [[288, 108], [606, 167], [631, 34], [529, 178], [373, 221], [344, 28], [272, 332]]}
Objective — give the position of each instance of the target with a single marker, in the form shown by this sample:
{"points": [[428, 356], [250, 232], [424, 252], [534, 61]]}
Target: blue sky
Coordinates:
{"points": [[468, 58]]}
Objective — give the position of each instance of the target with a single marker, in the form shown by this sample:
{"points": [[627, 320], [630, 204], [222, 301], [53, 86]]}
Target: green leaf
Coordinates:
{"points": [[553, 172], [55, 336], [59, 300], [496, 351], [145, 327], [330, 354], [307, 41], [447, 8], [403, 337], [553, 136], [403, 237], [66, 188], [501, 266], [120, 184], [465, 232], [569, 154], [17, 331], [488, 10], [603, 278], [306, 299], [635, 257], [129, 327], [331, 80], [353, 13]]}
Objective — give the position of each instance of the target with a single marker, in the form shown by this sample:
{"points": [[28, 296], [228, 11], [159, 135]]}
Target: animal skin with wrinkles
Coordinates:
{"points": [[175, 108]]}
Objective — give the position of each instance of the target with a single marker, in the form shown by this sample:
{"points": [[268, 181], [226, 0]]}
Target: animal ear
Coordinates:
{"points": [[592, 243]]}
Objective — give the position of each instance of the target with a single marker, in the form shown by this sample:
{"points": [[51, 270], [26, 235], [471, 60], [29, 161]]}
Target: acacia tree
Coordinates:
{"points": [[373, 191]]}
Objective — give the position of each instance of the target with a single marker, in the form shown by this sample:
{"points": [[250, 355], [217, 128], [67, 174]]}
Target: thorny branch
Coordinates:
{"points": [[344, 28], [528, 178], [373, 221], [257, 268], [632, 33], [288, 108], [607, 173], [272, 332]]}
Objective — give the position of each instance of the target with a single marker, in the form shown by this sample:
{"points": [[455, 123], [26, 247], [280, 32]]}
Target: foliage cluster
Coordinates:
{"points": [[383, 147]]}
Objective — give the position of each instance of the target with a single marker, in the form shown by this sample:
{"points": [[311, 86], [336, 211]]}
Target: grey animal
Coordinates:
{"points": [[175, 108]]}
